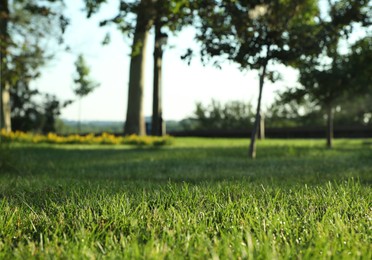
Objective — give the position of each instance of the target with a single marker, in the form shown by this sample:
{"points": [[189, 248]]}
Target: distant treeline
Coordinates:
{"points": [[235, 118], [72, 127], [283, 132]]}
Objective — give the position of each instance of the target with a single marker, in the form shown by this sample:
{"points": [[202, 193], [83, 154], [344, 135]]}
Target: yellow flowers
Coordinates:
{"points": [[104, 138]]}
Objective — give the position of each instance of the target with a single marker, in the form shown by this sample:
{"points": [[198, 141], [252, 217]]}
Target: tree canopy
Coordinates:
{"points": [[330, 76], [84, 84], [26, 32], [256, 34], [309, 35], [136, 18]]}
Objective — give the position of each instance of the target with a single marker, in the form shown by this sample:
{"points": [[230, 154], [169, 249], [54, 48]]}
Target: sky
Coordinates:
{"points": [[183, 85]]}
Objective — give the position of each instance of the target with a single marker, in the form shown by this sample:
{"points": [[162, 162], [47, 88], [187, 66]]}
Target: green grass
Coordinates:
{"points": [[200, 198]]}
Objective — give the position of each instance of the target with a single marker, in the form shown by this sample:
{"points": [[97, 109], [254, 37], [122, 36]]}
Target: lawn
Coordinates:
{"points": [[198, 198]]}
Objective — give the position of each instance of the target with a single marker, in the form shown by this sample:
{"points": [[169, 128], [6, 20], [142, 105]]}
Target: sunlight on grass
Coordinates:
{"points": [[199, 198]]}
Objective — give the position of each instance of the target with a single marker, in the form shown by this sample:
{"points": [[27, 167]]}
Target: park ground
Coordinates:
{"points": [[196, 199]]}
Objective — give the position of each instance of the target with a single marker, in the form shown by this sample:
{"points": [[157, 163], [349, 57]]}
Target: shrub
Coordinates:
{"points": [[104, 138]]}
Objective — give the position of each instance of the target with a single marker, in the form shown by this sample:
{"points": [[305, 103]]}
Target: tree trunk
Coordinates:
{"points": [[252, 146], [261, 132], [157, 128], [5, 117], [135, 122], [329, 126], [5, 105], [79, 116]]}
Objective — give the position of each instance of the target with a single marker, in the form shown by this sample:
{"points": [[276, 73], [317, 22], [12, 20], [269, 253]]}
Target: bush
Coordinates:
{"points": [[233, 115], [104, 138]]}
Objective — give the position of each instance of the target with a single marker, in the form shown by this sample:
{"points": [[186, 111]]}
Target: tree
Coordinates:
{"points": [[25, 114], [358, 67], [233, 115], [157, 123], [135, 123], [327, 78], [257, 34], [293, 113], [84, 84], [26, 28], [25, 111], [170, 16], [139, 28], [30, 115], [4, 83], [164, 15], [51, 110], [347, 77]]}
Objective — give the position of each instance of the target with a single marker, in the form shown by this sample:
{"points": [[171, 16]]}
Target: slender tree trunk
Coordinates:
{"points": [[135, 122], [1, 93], [79, 116], [157, 128], [5, 117], [261, 133], [5, 107], [329, 126], [252, 146]]}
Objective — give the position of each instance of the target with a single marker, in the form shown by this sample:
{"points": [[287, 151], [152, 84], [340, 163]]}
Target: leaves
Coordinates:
{"points": [[84, 84], [92, 6], [172, 14], [27, 30], [233, 115], [270, 31]]}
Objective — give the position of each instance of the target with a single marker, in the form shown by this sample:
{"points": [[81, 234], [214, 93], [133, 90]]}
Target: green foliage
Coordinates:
{"points": [[84, 84], [256, 32], [233, 115], [27, 31], [92, 6], [51, 111], [298, 113], [28, 114], [357, 67], [104, 138], [356, 111], [25, 112], [237, 115], [331, 76], [64, 127], [294, 113], [344, 12], [337, 84], [173, 14], [199, 199]]}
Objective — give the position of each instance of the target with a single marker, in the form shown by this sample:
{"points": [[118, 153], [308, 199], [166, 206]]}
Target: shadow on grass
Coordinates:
{"points": [[46, 174], [280, 164]]}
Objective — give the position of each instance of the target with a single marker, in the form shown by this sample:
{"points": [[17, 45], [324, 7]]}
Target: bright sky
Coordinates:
{"points": [[183, 85]]}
